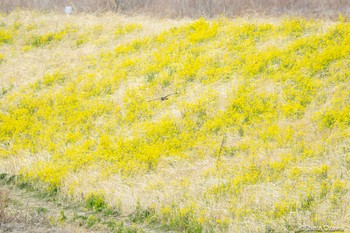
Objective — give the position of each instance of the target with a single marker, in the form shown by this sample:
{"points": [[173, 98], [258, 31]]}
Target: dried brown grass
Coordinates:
{"points": [[192, 8], [3, 199], [5, 217]]}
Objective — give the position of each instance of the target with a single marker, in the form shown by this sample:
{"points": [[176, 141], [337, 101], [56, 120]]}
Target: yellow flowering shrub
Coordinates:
{"points": [[127, 28], [50, 37], [5, 36]]}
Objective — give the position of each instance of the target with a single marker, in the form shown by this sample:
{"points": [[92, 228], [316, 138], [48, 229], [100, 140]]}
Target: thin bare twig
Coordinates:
{"points": [[218, 158]]}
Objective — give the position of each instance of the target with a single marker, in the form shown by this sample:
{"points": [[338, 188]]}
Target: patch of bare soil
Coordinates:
{"points": [[26, 210], [22, 211]]}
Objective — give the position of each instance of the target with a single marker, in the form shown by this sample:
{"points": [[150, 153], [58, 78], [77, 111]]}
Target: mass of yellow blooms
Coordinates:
{"points": [[279, 93]]}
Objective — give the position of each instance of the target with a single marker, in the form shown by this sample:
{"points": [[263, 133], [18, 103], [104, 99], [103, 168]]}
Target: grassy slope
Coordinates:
{"points": [[256, 137], [26, 209]]}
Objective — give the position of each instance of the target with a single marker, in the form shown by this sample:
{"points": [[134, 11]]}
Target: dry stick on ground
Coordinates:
{"points": [[218, 158], [164, 97]]}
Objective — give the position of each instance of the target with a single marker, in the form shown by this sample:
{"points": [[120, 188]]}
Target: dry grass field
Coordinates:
{"points": [[222, 125]]}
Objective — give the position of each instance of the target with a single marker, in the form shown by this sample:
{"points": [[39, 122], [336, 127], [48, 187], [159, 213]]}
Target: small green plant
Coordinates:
{"points": [[112, 225], [91, 221], [3, 176], [150, 77], [108, 211], [307, 201], [41, 210], [95, 202], [25, 185], [77, 216], [141, 214], [63, 216]]}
